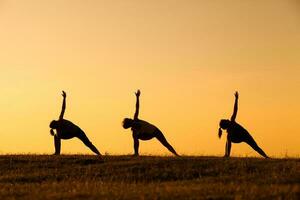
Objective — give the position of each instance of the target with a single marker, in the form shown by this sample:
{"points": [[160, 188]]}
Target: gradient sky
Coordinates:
{"points": [[187, 57]]}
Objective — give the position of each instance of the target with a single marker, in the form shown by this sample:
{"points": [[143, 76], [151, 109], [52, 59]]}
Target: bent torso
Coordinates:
{"points": [[237, 133], [143, 130], [67, 129]]}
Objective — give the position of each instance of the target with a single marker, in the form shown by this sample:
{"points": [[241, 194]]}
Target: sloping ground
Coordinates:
{"points": [[124, 177]]}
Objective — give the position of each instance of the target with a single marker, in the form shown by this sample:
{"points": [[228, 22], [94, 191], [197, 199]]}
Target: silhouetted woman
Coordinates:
{"points": [[142, 130], [67, 130], [236, 133]]}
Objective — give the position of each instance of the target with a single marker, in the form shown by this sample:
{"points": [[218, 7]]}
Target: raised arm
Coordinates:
{"points": [[235, 106], [137, 105], [63, 105]]}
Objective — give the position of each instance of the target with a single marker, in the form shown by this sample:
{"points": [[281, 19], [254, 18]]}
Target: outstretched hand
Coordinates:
{"points": [[138, 93], [64, 94], [236, 94]]}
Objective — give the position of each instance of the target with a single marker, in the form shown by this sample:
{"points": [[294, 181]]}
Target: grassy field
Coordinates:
{"points": [[125, 177]]}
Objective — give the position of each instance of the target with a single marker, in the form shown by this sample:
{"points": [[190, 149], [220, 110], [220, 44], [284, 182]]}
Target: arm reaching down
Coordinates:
{"points": [[137, 106], [136, 146], [63, 105], [235, 106]]}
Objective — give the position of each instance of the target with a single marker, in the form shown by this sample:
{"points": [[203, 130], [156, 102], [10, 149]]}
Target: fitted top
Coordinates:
{"points": [[67, 129], [143, 129], [236, 132]]}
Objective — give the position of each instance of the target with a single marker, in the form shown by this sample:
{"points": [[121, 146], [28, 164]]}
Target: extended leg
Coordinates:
{"points": [[88, 143], [164, 142], [57, 145], [253, 144]]}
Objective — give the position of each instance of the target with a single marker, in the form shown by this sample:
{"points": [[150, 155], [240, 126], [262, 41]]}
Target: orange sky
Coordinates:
{"points": [[187, 57]]}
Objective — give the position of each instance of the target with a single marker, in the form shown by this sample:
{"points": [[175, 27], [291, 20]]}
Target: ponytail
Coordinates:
{"points": [[52, 132], [220, 133]]}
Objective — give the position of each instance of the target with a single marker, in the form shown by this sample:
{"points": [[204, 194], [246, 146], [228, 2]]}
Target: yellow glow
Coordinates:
{"points": [[187, 57]]}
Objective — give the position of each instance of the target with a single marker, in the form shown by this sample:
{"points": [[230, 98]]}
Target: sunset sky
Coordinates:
{"points": [[188, 57]]}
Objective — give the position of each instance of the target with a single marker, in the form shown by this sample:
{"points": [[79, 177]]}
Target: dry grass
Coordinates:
{"points": [[124, 177]]}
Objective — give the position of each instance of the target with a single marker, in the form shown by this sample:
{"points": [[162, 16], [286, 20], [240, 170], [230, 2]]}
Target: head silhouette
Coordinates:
{"points": [[224, 123], [54, 124], [127, 123]]}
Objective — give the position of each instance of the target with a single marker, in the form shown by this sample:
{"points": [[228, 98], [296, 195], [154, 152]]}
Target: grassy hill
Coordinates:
{"points": [[125, 177]]}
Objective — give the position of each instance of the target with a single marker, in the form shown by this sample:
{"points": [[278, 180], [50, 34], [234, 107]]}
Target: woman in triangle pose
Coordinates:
{"points": [[67, 130], [142, 130], [236, 133]]}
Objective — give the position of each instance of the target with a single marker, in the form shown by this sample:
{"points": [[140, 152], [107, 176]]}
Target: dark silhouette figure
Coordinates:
{"points": [[142, 130], [67, 130], [236, 133]]}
